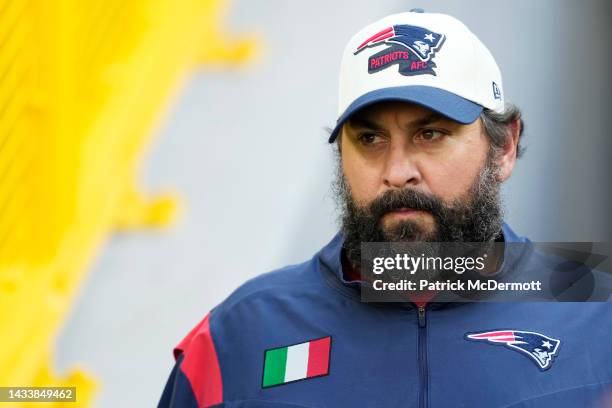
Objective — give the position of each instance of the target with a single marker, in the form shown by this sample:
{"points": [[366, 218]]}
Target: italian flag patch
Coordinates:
{"points": [[283, 365]]}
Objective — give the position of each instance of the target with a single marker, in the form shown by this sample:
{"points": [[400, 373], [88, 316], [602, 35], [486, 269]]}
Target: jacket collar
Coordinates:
{"points": [[330, 257]]}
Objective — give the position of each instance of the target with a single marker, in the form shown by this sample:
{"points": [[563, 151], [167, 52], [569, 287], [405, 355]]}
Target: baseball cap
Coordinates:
{"points": [[429, 59]]}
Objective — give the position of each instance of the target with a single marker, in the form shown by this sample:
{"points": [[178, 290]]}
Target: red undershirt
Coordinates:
{"points": [[351, 274]]}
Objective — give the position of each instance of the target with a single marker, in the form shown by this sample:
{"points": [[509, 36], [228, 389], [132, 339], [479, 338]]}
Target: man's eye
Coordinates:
{"points": [[429, 135], [368, 138]]}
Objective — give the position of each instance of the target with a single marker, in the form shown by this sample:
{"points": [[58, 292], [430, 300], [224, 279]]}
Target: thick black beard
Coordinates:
{"points": [[476, 218]]}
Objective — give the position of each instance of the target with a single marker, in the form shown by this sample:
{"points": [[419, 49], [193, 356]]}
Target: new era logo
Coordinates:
{"points": [[496, 91]]}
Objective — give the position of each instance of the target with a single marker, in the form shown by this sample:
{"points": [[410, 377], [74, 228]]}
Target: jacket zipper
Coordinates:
{"points": [[422, 345]]}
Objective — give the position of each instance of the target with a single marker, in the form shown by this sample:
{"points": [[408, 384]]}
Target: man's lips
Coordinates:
{"points": [[404, 212]]}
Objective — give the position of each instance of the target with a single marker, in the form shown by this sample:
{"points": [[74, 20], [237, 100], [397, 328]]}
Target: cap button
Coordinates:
{"points": [[417, 10]]}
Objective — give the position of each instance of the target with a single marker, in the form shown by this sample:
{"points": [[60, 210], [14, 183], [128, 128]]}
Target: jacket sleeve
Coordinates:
{"points": [[178, 392], [195, 380]]}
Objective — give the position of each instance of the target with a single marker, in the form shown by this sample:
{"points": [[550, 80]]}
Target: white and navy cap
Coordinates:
{"points": [[429, 59]]}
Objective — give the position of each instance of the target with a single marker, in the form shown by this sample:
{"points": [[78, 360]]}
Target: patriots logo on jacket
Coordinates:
{"points": [[539, 348], [411, 47]]}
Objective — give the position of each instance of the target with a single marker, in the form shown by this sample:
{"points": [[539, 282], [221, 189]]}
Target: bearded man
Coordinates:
{"points": [[424, 140]]}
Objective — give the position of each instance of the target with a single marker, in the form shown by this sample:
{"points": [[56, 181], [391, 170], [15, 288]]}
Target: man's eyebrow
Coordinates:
{"points": [[427, 120], [360, 121], [364, 122]]}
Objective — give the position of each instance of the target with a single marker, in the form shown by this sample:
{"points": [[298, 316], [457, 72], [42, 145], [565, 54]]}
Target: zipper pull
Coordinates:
{"points": [[422, 317]]}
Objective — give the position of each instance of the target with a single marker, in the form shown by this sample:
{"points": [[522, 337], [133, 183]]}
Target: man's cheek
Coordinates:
{"points": [[363, 189], [364, 203]]}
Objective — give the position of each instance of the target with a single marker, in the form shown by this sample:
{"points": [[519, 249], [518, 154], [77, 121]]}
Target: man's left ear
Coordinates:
{"points": [[507, 156]]}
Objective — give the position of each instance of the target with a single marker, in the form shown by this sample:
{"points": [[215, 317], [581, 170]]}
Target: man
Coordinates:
{"points": [[424, 140]]}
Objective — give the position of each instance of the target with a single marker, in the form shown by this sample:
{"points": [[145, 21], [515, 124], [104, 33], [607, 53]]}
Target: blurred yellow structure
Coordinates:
{"points": [[83, 85]]}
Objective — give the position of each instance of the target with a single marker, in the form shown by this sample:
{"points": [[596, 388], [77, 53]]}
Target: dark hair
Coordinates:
{"points": [[496, 125]]}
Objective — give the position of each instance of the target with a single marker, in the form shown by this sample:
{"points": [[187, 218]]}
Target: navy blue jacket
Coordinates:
{"points": [[395, 354]]}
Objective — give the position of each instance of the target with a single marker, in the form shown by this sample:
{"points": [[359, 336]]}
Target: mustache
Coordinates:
{"points": [[393, 200]]}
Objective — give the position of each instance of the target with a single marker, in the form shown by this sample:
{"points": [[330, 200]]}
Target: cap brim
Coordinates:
{"points": [[445, 103]]}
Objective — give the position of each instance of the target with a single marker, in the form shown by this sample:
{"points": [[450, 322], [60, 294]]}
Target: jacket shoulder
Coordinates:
{"points": [[289, 281]]}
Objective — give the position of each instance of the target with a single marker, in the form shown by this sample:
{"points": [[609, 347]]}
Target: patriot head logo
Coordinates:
{"points": [[411, 47], [539, 348]]}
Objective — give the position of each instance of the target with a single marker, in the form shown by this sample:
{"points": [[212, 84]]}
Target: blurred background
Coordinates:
{"points": [[156, 154]]}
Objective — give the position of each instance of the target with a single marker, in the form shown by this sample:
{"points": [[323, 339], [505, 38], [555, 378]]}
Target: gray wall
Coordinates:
{"points": [[247, 149]]}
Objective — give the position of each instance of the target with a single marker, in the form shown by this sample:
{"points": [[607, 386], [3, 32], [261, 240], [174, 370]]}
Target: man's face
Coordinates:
{"points": [[410, 174]]}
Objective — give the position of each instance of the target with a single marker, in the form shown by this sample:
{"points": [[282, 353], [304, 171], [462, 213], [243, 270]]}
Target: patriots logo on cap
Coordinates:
{"points": [[539, 348], [411, 47]]}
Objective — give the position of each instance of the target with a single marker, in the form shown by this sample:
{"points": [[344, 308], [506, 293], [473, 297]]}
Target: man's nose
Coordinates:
{"points": [[401, 168]]}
